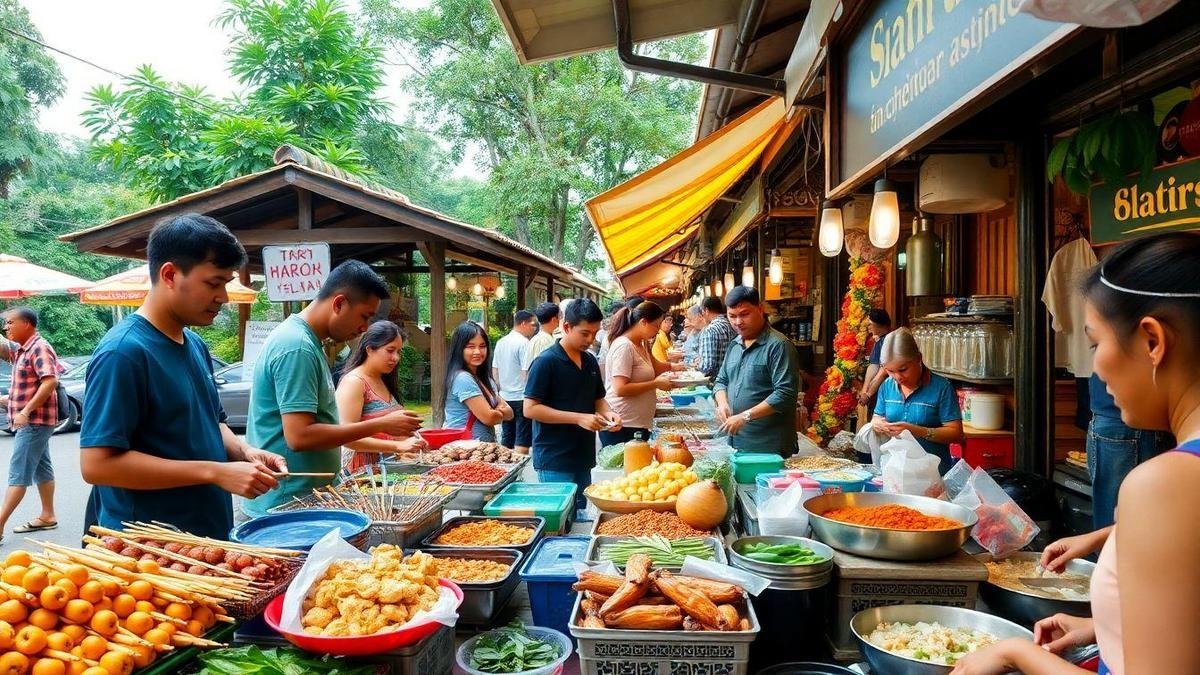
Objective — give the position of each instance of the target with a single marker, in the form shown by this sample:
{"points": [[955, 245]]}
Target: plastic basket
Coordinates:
{"points": [[548, 574], [545, 634]]}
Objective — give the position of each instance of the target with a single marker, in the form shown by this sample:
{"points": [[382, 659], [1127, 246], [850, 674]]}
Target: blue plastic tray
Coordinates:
{"points": [[299, 530]]}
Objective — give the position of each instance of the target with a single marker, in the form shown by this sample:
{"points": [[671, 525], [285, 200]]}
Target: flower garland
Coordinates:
{"points": [[851, 348]]}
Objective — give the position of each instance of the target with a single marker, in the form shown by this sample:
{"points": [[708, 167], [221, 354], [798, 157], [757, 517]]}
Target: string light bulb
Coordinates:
{"points": [[477, 289], [747, 274], [452, 282], [829, 237], [884, 228], [717, 289], [499, 292], [775, 272], [729, 280]]}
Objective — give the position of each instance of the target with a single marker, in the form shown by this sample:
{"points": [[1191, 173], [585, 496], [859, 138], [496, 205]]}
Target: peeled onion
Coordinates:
{"points": [[702, 505]]}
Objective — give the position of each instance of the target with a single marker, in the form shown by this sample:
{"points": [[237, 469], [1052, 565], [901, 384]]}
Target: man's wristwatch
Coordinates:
{"points": [[746, 416]]}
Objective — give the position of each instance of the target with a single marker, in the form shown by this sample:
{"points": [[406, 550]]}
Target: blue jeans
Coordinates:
{"points": [[1113, 449], [30, 464], [581, 479]]}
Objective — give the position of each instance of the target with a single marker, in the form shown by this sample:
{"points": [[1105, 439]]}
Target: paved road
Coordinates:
{"points": [[70, 497]]}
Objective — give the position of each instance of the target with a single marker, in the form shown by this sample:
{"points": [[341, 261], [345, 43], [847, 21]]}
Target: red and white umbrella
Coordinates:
{"points": [[20, 278]]}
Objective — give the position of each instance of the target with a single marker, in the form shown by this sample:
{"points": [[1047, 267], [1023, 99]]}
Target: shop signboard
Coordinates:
{"points": [[912, 68], [295, 271], [1165, 199], [256, 336]]}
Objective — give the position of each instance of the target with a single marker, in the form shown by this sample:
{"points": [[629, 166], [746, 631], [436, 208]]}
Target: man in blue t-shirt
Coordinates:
{"points": [[154, 440]]}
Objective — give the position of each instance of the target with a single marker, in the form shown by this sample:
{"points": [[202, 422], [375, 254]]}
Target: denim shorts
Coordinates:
{"points": [[30, 464]]}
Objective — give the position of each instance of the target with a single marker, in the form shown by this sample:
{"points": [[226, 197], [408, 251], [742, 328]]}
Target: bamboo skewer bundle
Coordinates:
{"points": [[163, 552], [156, 530]]}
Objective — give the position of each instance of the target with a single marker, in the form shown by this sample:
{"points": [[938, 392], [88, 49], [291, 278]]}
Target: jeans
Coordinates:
{"points": [[625, 435], [1113, 449], [581, 479], [519, 430], [30, 463]]}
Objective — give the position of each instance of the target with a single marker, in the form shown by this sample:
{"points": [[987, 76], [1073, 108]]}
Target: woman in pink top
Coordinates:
{"points": [[632, 374], [1143, 320]]}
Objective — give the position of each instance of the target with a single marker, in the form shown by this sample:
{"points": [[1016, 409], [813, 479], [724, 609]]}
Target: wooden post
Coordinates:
{"points": [[434, 253], [243, 312], [304, 212], [522, 284], [549, 288]]}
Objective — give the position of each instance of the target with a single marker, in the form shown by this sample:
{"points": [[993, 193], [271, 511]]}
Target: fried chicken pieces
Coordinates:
{"points": [[363, 597]]}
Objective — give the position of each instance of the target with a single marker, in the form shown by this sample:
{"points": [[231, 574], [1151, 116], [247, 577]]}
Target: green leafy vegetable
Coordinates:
{"points": [[662, 551], [512, 650], [253, 660], [721, 472]]}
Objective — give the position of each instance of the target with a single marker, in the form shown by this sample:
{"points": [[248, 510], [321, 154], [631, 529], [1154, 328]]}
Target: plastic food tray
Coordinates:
{"points": [[663, 652], [600, 520], [553, 501], [593, 552], [482, 601], [538, 525]]}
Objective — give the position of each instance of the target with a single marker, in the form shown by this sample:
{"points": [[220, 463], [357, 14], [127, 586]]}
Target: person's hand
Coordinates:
{"points": [[1059, 553], [4, 401], [245, 479], [615, 421], [269, 460], [593, 422], [994, 659], [723, 412], [411, 444], [678, 367], [733, 424], [399, 423], [504, 409], [863, 397], [20, 420], [1062, 632], [664, 382]]}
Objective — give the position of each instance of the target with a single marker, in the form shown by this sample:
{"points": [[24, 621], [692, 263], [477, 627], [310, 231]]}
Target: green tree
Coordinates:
{"points": [[29, 79], [553, 134]]}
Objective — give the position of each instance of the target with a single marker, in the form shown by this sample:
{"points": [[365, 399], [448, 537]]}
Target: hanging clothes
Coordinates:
{"points": [[1066, 303]]}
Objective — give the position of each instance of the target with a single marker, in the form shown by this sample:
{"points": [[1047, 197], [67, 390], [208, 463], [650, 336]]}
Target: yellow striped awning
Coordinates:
{"points": [[651, 214], [130, 288]]}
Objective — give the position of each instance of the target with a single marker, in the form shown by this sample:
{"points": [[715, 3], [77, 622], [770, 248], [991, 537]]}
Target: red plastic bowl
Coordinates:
{"points": [[436, 438], [359, 645]]}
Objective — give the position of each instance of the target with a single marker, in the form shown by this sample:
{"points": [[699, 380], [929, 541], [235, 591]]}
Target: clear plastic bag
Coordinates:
{"points": [[1098, 13], [868, 442], [908, 469], [806, 448], [783, 513], [1003, 526]]}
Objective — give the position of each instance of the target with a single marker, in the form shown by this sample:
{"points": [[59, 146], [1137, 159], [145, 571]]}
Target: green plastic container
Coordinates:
{"points": [[748, 465], [553, 501]]}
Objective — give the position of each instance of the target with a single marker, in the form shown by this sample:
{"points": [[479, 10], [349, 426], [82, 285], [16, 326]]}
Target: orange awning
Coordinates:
{"points": [[651, 214], [129, 289]]}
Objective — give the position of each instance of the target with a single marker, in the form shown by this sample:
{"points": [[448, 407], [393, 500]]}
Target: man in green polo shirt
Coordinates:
{"points": [[759, 379], [293, 410]]}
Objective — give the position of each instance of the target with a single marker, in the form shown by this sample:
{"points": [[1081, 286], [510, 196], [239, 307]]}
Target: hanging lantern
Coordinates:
{"points": [[747, 274], [884, 228], [775, 272], [500, 292], [829, 237], [717, 289], [729, 280], [452, 283], [477, 289]]}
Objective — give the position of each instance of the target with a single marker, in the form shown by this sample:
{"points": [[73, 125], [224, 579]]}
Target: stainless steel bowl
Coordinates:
{"points": [[952, 617], [775, 570], [885, 544], [1027, 608]]}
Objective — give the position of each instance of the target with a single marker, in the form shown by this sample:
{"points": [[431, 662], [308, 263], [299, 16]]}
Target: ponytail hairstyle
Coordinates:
{"points": [[1151, 276], [628, 317]]}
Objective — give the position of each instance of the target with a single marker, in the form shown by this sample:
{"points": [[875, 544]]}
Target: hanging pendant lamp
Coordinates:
{"points": [[884, 228], [452, 283], [829, 237], [747, 274]]}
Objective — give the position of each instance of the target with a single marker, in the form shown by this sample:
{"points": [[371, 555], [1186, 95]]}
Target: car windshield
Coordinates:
{"points": [[230, 374]]}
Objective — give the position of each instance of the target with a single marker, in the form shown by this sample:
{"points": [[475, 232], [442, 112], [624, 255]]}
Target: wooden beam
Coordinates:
{"points": [[435, 254], [333, 235], [424, 269], [304, 210], [243, 312]]}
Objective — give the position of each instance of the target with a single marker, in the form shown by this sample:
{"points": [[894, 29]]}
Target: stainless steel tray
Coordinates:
{"points": [[472, 496], [593, 551], [536, 522], [661, 636], [483, 601]]}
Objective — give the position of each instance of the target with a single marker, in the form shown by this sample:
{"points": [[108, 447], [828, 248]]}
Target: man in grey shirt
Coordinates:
{"points": [[757, 384]]}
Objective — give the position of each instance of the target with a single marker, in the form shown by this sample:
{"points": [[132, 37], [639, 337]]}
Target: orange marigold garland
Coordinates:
{"points": [[851, 348]]}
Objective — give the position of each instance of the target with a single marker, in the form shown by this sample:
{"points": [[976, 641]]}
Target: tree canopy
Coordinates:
{"points": [[29, 79]]}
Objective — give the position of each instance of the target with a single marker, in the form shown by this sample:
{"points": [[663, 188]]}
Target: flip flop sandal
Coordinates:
{"points": [[34, 526]]}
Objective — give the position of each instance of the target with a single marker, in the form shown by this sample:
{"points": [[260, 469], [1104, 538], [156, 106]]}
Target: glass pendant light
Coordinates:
{"points": [[500, 292], [452, 283], [718, 290], [747, 274], [884, 227], [477, 289], [829, 237], [729, 280], [776, 270]]}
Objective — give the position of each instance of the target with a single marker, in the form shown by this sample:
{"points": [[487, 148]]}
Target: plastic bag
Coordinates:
{"points": [[868, 442], [908, 469], [1098, 13], [332, 547], [842, 445], [1003, 526], [783, 513], [806, 448], [611, 456]]}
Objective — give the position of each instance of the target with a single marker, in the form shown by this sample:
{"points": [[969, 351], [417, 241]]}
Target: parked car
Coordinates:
{"points": [[233, 386]]}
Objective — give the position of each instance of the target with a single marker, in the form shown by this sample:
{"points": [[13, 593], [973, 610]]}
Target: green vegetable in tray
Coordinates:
{"points": [[512, 650], [782, 554], [662, 551], [253, 660], [611, 456]]}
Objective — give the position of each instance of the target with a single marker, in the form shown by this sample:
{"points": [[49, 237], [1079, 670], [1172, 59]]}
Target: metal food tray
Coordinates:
{"points": [[483, 601], [536, 522], [668, 413], [406, 534], [704, 434], [604, 517], [472, 496], [593, 552]]}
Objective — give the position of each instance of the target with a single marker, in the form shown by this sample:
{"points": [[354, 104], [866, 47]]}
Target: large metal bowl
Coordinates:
{"points": [[1027, 608], [952, 617], [776, 570], [883, 543]]}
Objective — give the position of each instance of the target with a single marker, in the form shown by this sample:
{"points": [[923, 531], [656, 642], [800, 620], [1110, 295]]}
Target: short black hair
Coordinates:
{"points": [[713, 304], [192, 239], [356, 280], [27, 314], [741, 294], [583, 310], [546, 312], [615, 306], [880, 316], [522, 316]]}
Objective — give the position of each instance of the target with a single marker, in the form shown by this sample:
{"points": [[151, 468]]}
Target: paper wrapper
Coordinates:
{"points": [[332, 548]]}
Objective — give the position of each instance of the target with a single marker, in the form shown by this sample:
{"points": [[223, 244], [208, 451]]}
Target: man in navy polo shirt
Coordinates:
{"points": [[564, 397]]}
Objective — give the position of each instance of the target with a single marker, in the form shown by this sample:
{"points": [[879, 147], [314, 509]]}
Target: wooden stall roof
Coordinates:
{"points": [[301, 199]]}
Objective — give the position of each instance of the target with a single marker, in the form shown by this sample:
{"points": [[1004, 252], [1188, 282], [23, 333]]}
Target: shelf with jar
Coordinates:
{"points": [[979, 351]]}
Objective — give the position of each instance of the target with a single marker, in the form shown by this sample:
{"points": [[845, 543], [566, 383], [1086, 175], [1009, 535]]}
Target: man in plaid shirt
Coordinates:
{"points": [[715, 338], [33, 413]]}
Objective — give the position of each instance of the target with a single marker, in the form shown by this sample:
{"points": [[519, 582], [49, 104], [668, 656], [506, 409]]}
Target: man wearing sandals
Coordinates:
{"points": [[33, 414]]}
